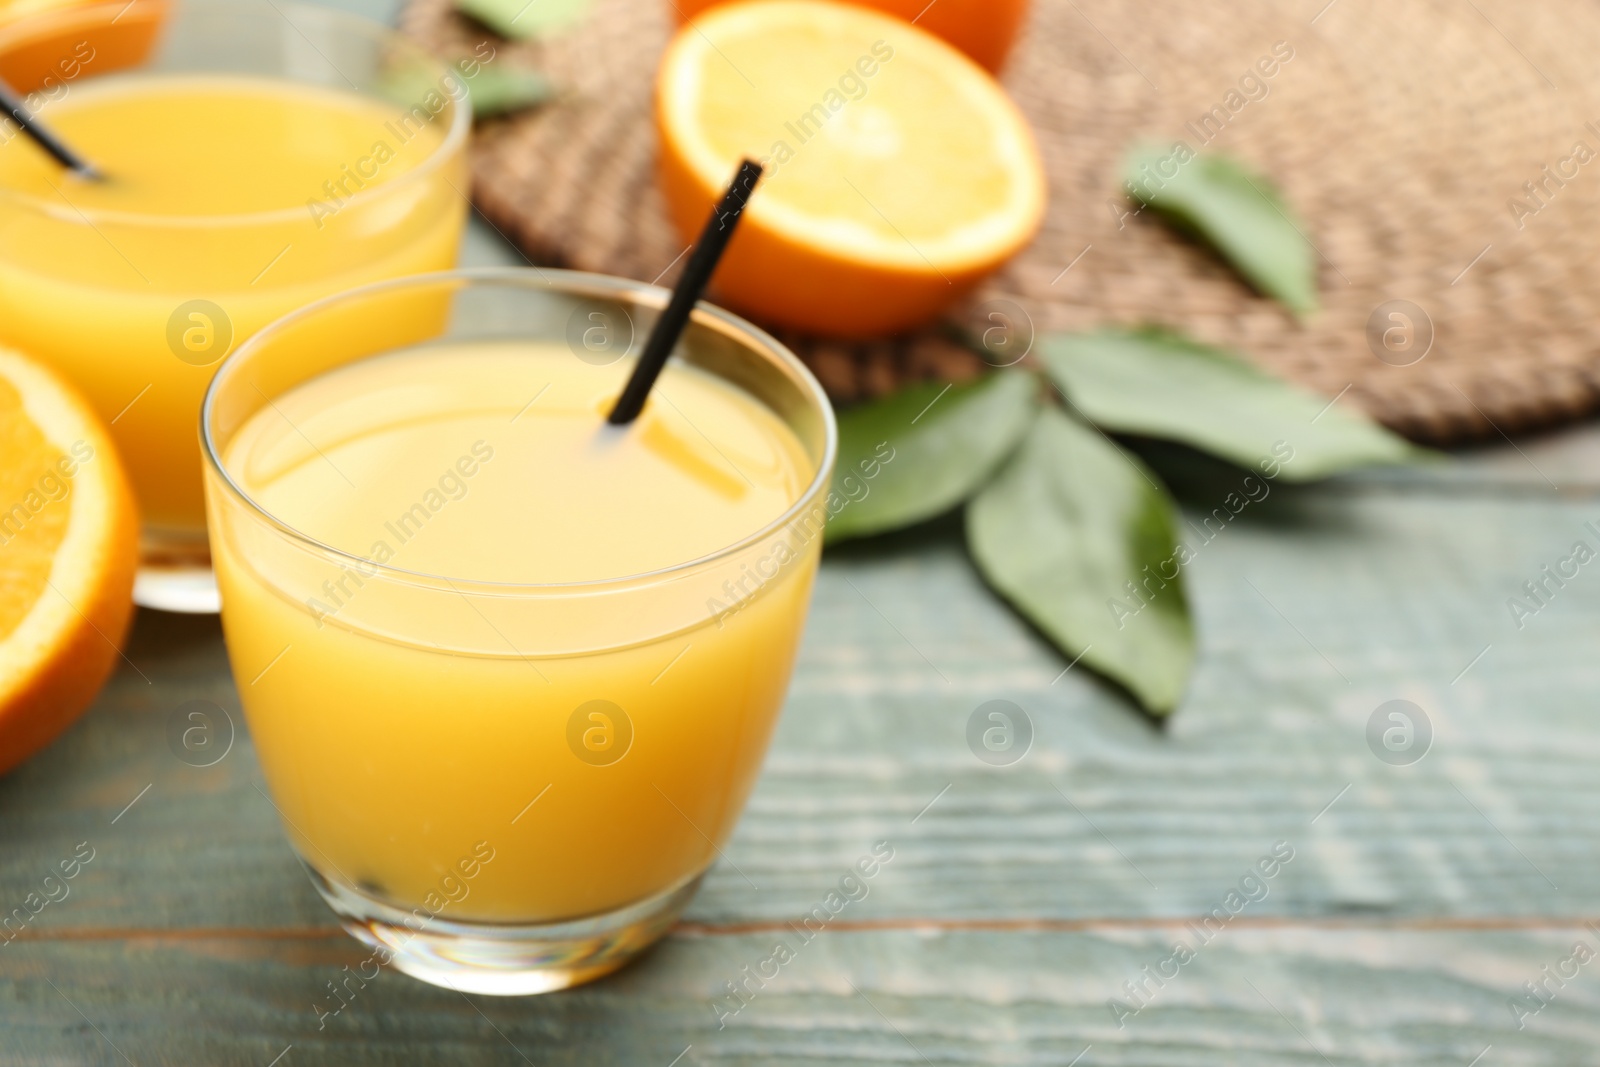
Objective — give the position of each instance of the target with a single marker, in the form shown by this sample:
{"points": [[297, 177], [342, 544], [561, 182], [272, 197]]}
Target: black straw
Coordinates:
{"points": [[13, 105], [702, 263]]}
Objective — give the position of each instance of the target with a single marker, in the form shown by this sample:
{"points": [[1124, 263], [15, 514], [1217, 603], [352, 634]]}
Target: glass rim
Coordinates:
{"points": [[578, 283], [29, 26]]}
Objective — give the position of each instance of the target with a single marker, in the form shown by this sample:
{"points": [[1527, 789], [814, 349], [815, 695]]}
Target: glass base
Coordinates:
{"points": [[175, 575], [505, 959]]}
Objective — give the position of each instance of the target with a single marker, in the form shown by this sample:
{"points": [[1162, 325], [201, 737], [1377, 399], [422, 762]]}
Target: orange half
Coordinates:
{"points": [[68, 551], [899, 174]]}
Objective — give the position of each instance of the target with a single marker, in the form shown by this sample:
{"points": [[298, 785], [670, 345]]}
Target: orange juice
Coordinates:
{"points": [[230, 200], [601, 747]]}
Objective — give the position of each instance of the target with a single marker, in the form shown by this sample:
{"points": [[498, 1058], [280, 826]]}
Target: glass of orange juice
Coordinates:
{"points": [[510, 671], [258, 155]]}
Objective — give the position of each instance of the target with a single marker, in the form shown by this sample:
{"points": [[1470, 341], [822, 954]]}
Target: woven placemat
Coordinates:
{"points": [[1402, 133]]}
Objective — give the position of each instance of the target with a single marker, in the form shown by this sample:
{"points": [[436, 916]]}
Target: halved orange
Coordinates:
{"points": [[69, 545], [898, 172], [45, 44], [983, 29], [12, 10]]}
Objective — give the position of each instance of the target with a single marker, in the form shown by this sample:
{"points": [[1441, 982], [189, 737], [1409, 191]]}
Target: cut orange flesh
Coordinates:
{"points": [[68, 551], [898, 172]]}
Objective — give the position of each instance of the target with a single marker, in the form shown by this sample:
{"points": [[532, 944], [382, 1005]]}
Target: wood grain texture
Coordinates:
{"points": [[1020, 900], [1253, 997], [1312, 613]]}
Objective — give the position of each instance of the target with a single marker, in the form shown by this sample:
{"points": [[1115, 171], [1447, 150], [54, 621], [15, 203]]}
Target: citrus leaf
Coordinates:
{"points": [[410, 86], [923, 450], [520, 20], [501, 90], [493, 90], [1240, 214], [1069, 522], [1159, 384]]}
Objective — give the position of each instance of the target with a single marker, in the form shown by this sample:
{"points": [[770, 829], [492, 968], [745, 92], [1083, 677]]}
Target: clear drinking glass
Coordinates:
{"points": [[505, 788], [137, 302]]}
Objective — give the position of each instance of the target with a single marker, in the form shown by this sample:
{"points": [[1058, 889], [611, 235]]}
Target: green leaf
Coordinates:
{"points": [[503, 89], [1071, 520], [1240, 214], [410, 84], [1159, 384], [493, 90], [520, 20], [923, 450]]}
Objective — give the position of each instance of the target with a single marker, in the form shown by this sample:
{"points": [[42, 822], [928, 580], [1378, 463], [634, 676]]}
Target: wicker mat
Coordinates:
{"points": [[1402, 133]]}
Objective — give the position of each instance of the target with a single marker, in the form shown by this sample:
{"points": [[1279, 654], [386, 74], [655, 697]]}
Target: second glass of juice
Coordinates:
{"points": [[510, 671], [258, 156]]}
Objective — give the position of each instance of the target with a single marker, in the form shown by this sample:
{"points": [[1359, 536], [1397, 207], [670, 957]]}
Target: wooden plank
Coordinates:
{"points": [[1311, 616], [1558, 461], [1280, 995]]}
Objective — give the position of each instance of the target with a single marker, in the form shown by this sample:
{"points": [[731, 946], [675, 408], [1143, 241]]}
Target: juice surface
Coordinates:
{"points": [[137, 286], [554, 495], [193, 145], [395, 756]]}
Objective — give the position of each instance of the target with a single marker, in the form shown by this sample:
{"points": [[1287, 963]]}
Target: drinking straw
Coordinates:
{"points": [[13, 105], [702, 262]]}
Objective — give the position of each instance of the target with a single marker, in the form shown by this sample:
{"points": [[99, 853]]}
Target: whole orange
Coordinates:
{"points": [[983, 29]]}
